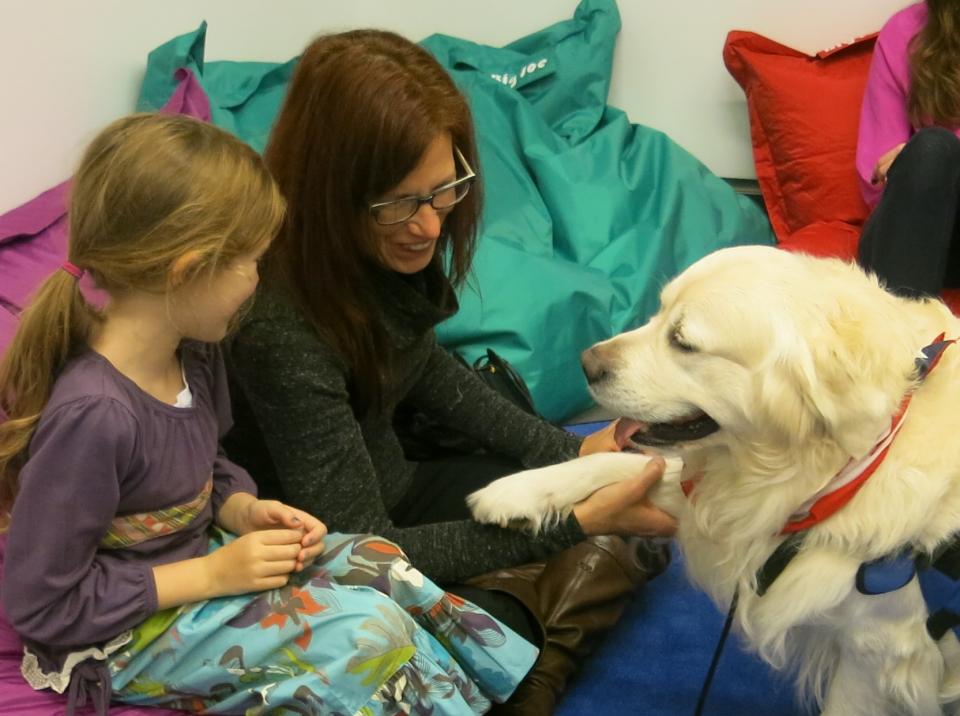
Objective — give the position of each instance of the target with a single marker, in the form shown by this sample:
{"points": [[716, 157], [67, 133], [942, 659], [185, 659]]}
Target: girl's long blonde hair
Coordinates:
{"points": [[150, 189], [934, 95]]}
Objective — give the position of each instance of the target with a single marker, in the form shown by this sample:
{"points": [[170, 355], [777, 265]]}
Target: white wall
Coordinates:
{"points": [[67, 68]]}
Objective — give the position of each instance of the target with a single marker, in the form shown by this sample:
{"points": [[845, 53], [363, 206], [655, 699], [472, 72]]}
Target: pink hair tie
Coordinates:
{"points": [[72, 269]]}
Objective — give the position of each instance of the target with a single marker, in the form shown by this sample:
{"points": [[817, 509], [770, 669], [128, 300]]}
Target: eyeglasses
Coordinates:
{"points": [[444, 197]]}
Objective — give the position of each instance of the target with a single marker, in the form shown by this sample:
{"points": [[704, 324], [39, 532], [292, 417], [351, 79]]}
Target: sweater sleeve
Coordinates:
{"points": [[296, 388], [883, 115], [455, 395], [59, 588]]}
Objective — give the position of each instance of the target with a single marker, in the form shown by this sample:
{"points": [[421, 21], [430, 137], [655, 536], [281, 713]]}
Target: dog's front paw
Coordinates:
{"points": [[540, 498], [518, 501]]}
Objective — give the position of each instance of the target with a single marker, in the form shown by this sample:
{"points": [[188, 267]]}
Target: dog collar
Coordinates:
{"points": [[843, 487], [852, 476], [845, 484]]}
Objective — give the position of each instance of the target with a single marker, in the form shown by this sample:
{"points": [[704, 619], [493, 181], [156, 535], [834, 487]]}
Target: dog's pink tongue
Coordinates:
{"points": [[626, 427]]}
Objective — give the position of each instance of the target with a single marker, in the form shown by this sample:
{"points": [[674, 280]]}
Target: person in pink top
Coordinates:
{"points": [[908, 151]]}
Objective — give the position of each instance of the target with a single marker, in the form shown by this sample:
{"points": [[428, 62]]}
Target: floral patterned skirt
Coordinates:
{"points": [[358, 632]]}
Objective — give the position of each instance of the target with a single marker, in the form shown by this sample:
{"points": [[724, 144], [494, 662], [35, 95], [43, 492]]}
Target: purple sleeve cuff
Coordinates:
{"points": [[229, 479]]}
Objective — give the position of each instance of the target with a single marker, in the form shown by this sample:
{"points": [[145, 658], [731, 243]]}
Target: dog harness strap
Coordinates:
{"points": [[887, 574], [945, 558], [778, 561], [940, 584], [940, 622]]}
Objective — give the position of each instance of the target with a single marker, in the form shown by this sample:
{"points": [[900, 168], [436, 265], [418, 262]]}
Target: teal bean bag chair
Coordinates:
{"points": [[586, 215]]}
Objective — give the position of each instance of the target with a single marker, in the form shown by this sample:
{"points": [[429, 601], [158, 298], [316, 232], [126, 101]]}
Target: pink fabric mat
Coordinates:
{"points": [[18, 699]]}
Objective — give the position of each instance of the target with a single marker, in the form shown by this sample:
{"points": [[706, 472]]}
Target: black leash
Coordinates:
{"points": [[705, 689], [766, 575]]}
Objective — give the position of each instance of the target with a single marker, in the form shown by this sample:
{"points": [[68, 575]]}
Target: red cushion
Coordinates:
{"points": [[804, 115], [835, 238], [951, 297], [825, 238]]}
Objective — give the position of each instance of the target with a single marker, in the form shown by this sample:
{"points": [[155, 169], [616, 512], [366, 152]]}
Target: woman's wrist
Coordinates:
{"points": [[587, 518]]}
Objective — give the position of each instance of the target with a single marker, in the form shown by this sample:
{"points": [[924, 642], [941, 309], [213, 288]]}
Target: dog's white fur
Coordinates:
{"points": [[802, 362]]}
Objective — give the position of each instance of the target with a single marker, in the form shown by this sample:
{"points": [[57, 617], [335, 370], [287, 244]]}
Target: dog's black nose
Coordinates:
{"points": [[594, 367]]}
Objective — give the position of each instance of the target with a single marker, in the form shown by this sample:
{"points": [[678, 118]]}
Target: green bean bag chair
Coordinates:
{"points": [[586, 215]]}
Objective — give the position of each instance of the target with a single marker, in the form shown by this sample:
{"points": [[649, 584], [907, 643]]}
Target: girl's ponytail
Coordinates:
{"points": [[57, 323], [149, 189]]}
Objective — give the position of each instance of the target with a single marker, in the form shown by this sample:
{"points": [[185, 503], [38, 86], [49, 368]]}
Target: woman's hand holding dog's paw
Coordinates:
{"points": [[542, 497], [623, 508]]}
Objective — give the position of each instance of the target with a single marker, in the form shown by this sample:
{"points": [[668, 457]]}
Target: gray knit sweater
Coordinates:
{"points": [[291, 398]]}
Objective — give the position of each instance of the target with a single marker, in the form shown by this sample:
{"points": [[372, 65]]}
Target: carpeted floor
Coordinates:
{"points": [[655, 662]]}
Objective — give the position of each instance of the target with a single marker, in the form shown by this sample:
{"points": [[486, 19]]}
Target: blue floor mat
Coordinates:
{"points": [[655, 662]]}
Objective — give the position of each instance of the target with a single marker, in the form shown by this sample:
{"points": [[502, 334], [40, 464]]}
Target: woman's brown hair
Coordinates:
{"points": [[149, 190], [934, 96], [361, 109]]}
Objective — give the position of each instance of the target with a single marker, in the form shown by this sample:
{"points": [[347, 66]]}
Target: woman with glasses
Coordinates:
{"points": [[374, 151]]}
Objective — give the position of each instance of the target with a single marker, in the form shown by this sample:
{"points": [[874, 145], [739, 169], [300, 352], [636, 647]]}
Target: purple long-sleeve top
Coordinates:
{"points": [[884, 123], [104, 448]]}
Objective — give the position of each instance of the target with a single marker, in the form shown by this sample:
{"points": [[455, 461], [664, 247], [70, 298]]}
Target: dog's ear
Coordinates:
{"points": [[850, 358]]}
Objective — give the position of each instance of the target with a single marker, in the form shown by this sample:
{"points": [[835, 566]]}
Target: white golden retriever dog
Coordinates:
{"points": [[777, 377]]}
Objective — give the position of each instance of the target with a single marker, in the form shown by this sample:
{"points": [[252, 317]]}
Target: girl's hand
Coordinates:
{"points": [[271, 514], [604, 440], [255, 562]]}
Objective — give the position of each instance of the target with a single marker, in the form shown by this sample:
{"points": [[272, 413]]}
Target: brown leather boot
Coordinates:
{"points": [[577, 596], [521, 584]]}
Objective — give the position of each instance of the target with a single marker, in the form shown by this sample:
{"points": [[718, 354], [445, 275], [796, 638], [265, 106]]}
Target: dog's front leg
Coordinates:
{"points": [[534, 498], [888, 664]]}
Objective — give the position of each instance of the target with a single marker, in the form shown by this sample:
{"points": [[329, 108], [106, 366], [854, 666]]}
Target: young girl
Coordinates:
{"points": [[110, 459]]}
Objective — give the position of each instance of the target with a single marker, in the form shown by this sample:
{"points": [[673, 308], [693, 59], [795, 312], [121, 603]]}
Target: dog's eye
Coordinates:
{"points": [[678, 342]]}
